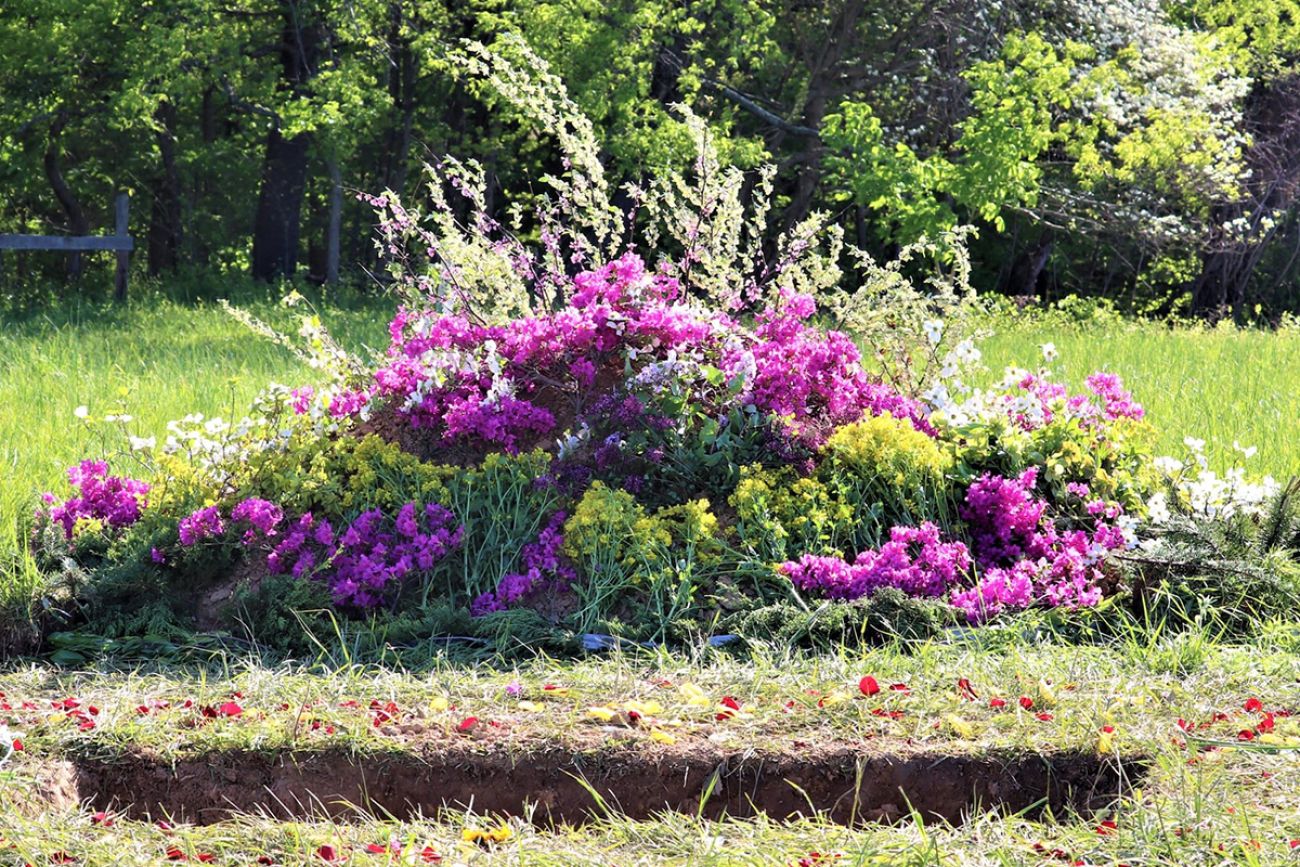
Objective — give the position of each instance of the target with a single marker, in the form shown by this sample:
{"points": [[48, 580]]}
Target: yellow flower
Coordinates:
{"points": [[644, 708], [662, 737]]}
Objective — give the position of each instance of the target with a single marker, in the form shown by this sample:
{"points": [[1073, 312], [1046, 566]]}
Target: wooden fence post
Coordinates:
{"points": [[121, 225]]}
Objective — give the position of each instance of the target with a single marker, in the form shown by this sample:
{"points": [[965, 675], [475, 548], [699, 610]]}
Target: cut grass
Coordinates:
{"points": [[1209, 797]]}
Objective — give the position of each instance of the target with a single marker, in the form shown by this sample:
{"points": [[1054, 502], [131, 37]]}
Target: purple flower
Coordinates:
{"points": [[202, 524], [115, 500]]}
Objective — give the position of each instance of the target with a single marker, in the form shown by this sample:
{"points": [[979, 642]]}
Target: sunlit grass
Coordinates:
{"points": [[1220, 386]]}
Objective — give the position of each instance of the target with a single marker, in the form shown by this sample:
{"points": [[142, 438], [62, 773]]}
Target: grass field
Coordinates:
{"points": [[1220, 386]]}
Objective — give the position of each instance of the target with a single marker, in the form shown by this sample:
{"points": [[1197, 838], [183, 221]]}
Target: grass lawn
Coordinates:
{"points": [[1183, 706], [1220, 386]]}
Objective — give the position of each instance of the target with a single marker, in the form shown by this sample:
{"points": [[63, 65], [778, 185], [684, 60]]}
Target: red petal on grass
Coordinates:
{"points": [[1026, 702], [1253, 705], [1045, 716], [429, 856], [265, 859], [1266, 724], [102, 818], [206, 857], [1294, 844], [965, 690], [1106, 827], [467, 724], [327, 853], [18, 745], [900, 687], [868, 685], [1246, 735], [174, 854], [230, 708], [997, 702]]}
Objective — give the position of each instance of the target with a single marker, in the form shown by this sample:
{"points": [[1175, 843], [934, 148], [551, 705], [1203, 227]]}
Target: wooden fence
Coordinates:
{"points": [[119, 242]]}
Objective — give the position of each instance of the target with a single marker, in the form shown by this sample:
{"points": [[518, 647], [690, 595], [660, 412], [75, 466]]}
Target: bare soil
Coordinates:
{"points": [[843, 783]]}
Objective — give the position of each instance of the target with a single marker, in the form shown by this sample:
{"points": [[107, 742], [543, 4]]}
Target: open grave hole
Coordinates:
{"points": [[843, 784]]}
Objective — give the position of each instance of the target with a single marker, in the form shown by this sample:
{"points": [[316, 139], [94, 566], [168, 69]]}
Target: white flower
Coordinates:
{"points": [[1246, 453], [933, 329], [965, 352], [142, 443], [1168, 465], [1158, 508], [1049, 352], [82, 412], [1194, 444]]}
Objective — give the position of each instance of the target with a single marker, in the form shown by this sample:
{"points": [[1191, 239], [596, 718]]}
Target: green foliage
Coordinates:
{"points": [[885, 616], [645, 569], [1241, 571], [503, 507], [886, 472]]}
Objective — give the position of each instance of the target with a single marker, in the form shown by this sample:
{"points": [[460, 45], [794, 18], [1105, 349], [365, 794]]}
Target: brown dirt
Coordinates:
{"points": [[846, 784]]}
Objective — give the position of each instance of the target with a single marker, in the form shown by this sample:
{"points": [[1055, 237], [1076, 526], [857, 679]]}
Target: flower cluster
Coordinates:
{"points": [[367, 562], [545, 569], [1021, 557], [795, 371], [915, 560], [1025, 558], [500, 384], [205, 523], [112, 500]]}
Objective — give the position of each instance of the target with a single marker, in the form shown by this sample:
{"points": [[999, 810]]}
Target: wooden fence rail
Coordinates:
{"points": [[120, 242]]}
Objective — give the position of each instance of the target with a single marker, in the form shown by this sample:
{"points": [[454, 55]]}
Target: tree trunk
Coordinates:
{"points": [[277, 224], [165, 229], [822, 91], [78, 224], [401, 91], [279, 206], [335, 230], [1272, 117]]}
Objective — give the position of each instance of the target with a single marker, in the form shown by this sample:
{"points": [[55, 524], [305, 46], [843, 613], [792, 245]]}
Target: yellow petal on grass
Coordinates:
{"points": [[662, 737], [439, 703], [604, 714], [1046, 695], [960, 727], [694, 695], [645, 708], [531, 706], [499, 834], [1106, 743], [834, 697]]}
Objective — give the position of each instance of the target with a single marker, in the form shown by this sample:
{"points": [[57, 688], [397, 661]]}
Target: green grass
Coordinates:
{"points": [[157, 360], [1220, 386], [1235, 803]]}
